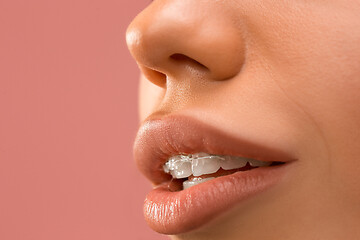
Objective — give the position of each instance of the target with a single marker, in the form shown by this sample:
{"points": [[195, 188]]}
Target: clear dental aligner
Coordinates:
{"points": [[185, 165]]}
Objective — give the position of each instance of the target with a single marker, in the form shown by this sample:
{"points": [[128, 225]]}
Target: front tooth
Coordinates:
{"points": [[182, 169], [257, 163], [205, 165], [195, 181], [170, 164], [233, 162]]}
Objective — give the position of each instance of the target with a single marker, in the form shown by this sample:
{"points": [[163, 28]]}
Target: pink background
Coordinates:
{"points": [[68, 118]]}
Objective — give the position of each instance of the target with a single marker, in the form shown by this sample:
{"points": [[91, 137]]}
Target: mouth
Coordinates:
{"points": [[199, 172]]}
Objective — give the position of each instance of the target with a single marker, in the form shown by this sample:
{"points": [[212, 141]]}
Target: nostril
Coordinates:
{"points": [[181, 58], [154, 76]]}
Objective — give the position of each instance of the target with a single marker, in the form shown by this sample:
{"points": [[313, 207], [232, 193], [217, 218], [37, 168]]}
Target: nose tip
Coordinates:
{"points": [[176, 38]]}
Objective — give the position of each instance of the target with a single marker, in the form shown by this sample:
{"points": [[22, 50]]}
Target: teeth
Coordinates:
{"points": [[205, 164], [257, 163], [170, 164], [195, 181], [178, 166], [183, 166], [182, 169], [233, 162]]}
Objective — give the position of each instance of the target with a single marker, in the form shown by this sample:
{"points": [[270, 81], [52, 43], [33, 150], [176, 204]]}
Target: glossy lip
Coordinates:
{"points": [[178, 212]]}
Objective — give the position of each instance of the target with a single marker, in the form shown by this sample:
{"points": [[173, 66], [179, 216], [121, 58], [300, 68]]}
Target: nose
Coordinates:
{"points": [[173, 39]]}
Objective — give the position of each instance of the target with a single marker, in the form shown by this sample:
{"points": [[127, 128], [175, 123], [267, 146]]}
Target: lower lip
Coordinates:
{"points": [[179, 212]]}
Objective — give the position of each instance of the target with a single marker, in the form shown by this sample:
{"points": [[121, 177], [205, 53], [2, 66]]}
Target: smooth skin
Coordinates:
{"points": [[281, 73]]}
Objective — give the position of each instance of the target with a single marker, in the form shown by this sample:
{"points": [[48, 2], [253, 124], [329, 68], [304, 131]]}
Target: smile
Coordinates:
{"points": [[199, 172]]}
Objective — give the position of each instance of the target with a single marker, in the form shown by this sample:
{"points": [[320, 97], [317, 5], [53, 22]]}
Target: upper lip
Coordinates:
{"points": [[162, 137]]}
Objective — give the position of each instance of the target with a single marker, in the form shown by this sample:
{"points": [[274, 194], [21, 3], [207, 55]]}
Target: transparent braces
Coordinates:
{"points": [[170, 164]]}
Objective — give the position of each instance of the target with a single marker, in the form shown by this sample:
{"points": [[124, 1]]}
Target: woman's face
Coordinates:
{"points": [[283, 75]]}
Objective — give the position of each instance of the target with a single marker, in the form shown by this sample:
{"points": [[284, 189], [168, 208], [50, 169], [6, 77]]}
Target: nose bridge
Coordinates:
{"points": [[191, 37]]}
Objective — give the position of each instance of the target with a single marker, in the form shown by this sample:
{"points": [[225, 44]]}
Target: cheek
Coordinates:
{"points": [[317, 66], [314, 55]]}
